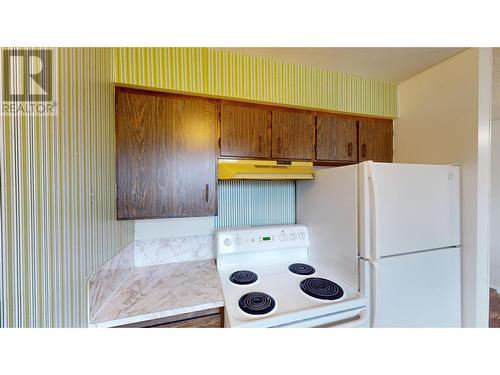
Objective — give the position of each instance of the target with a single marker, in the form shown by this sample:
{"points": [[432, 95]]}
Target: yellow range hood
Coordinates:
{"points": [[230, 169]]}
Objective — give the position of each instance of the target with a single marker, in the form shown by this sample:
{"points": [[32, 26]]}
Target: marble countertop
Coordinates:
{"points": [[163, 290]]}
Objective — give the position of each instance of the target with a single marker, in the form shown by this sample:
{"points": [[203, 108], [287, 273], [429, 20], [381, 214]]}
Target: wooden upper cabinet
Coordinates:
{"points": [[375, 140], [142, 188], [245, 130], [292, 134], [166, 146], [191, 129], [165, 155], [336, 138]]}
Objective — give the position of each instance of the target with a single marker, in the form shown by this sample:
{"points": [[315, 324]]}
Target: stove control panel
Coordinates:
{"points": [[252, 239]]}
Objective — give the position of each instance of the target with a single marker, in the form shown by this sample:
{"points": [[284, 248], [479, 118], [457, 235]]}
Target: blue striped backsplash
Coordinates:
{"points": [[244, 203]]}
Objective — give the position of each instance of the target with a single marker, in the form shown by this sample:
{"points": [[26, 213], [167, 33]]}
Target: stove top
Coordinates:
{"points": [[285, 300], [268, 280]]}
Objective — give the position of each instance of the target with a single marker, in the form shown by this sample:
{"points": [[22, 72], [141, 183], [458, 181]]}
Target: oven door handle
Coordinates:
{"points": [[362, 321], [352, 318]]}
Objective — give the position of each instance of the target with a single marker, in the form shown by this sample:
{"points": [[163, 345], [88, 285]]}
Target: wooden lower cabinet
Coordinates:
{"points": [[210, 321], [211, 318]]}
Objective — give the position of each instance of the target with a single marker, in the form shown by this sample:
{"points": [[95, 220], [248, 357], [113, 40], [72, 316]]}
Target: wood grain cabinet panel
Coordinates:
{"points": [[165, 155], [245, 130], [191, 128], [292, 134], [142, 186], [210, 321], [375, 140], [211, 318], [336, 138]]}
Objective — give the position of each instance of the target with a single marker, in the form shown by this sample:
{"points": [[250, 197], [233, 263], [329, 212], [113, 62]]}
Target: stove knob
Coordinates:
{"points": [[237, 241], [227, 242], [301, 236], [283, 237], [293, 236]]}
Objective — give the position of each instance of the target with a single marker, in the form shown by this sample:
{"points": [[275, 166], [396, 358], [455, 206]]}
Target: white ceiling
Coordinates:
{"points": [[388, 64]]}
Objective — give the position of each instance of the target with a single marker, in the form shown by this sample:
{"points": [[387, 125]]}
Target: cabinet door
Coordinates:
{"points": [[165, 155], [141, 164], [245, 131], [337, 138], [292, 134], [191, 138], [375, 140]]}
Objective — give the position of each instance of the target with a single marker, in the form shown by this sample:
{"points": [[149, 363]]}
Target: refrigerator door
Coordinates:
{"points": [[416, 290], [408, 207]]}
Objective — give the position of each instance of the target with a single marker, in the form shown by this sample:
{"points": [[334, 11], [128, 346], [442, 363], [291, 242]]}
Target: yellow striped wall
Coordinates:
{"points": [[223, 73], [57, 196]]}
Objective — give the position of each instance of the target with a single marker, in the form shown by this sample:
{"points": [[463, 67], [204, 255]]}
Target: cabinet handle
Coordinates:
{"points": [[279, 145], [349, 149], [363, 151], [206, 193], [260, 144]]}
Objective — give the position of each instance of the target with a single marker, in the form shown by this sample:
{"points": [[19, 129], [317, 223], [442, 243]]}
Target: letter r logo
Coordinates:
{"points": [[27, 75]]}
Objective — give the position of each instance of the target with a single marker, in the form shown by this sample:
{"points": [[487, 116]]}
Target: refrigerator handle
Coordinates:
{"points": [[373, 213], [375, 292]]}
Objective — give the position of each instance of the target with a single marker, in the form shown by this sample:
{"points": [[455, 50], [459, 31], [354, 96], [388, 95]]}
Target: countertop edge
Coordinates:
{"points": [[156, 315]]}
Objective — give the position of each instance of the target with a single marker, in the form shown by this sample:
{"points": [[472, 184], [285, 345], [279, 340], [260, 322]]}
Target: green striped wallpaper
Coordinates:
{"points": [[223, 73], [58, 198]]}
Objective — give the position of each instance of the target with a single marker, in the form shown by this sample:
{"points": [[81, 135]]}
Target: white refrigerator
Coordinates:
{"points": [[392, 231]]}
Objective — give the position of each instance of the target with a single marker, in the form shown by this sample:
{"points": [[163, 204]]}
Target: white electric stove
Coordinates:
{"points": [[270, 279]]}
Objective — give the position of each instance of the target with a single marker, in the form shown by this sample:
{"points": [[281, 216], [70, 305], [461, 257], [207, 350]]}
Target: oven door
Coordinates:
{"points": [[354, 318]]}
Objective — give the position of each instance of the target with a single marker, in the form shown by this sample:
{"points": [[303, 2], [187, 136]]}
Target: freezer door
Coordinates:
{"points": [[408, 207], [417, 290]]}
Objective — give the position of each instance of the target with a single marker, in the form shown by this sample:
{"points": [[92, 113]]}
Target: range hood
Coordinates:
{"points": [[230, 169]]}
